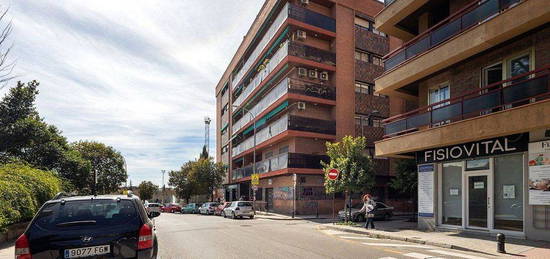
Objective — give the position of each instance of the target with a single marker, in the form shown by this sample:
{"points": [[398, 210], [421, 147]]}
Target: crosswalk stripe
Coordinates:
{"points": [[456, 254], [420, 256], [395, 245], [352, 237]]}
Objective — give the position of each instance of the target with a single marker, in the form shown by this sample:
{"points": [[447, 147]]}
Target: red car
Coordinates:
{"points": [[174, 207], [219, 208]]}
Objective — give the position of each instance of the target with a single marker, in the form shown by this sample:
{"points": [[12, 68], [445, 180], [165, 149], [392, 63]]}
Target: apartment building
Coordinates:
{"points": [[475, 76], [303, 75]]}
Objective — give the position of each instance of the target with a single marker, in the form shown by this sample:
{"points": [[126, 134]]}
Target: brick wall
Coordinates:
{"points": [[370, 133], [366, 103], [368, 41], [367, 72]]}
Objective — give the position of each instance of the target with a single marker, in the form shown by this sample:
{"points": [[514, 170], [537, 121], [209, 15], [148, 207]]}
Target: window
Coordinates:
{"points": [[439, 94], [377, 123], [225, 149], [368, 57], [362, 22], [357, 120], [363, 56], [225, 108], [377, 60]]}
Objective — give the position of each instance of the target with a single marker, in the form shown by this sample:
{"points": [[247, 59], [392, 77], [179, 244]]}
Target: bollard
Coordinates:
{"points": [[501, 240]]}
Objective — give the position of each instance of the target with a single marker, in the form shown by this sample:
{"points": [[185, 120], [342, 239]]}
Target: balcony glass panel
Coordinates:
{"points": [[274, 95], [262, 135], [446, 112], [482, 12], [281, 161], [444, 32], [312, 125], [312, 18], [312, 89], [275, 60], [418, 47], [482, 102], [268, 36], [524, 90], [395, 127], [395, 60], [418, 120]]}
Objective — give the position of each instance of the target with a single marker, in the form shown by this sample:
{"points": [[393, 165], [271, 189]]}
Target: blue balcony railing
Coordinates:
{"points": [[312, 18]]}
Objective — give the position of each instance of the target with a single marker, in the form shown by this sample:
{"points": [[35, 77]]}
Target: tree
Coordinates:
{"points": [[25, 137], [147, 189], [355, 166], [184, 186], [6, 66], [108, 163], [208, 175], [406, 178]]}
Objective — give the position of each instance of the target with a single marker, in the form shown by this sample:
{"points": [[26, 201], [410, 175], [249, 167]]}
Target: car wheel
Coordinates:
{"points": [[233, 215], [251, 217], [223, 214]]}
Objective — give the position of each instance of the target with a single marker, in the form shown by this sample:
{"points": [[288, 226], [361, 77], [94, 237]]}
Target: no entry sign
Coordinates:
{"points": [[333, 174]]}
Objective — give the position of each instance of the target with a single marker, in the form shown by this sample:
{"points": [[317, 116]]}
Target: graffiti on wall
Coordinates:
{"points": [[283, 193]]}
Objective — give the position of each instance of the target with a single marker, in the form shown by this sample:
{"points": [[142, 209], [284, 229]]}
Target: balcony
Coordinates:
{"points": [[288, 11], [368, 41], [288, 48], [511, 106], [284, 123], [471, 15], [370, 133], [474, 29], [367, 72], [287, 85], [282, 161]]}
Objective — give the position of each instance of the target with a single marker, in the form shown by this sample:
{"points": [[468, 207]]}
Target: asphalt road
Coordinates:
{"points": [[197, 236]]}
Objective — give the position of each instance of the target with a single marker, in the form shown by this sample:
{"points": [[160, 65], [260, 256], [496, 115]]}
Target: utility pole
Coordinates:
{"points": [[207, 134], [163, 187]]}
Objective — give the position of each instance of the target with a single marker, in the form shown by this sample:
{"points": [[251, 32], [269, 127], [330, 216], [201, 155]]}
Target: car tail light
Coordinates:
{"points": [[145, 239], [22, 248]]}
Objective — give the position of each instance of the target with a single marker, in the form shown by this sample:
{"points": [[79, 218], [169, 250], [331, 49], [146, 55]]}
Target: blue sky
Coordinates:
{"points": [[136, 75]]}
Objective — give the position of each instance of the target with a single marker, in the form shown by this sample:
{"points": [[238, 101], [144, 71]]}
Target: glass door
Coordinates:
{"points": [[477, 201]]}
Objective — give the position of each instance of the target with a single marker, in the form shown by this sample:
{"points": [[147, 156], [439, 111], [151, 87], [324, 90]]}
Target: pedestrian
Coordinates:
{"points": [[368, 208]]}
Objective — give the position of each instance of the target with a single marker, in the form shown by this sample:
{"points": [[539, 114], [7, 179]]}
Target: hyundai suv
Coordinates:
{"points": [[90, 226]]}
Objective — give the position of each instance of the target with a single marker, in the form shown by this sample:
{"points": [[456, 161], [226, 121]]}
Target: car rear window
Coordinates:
{"points": [[244, 204], [87, 213]]}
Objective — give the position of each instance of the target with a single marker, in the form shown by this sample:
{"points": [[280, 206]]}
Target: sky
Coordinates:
{"points": [[136, 75]]}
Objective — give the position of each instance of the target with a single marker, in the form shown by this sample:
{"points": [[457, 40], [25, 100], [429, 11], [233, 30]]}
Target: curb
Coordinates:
{"points": [[289, 219], [410, 240]]}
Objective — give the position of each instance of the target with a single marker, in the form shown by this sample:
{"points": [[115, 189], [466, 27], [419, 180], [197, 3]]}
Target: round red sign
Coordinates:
{"points": [[333, 174]]}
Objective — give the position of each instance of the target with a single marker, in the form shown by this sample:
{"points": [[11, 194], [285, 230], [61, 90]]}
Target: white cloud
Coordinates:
{"points": [[136, 75]]}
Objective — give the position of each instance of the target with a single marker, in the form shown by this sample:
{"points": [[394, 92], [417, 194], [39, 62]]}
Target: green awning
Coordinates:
{"points": [[224, 127]]}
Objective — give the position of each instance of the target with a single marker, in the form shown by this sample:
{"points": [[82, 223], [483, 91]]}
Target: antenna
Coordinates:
{"points": [[207, 134]]}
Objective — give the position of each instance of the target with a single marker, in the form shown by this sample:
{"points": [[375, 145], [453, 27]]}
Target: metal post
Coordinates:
{"points": [[95, 182], [163, 187], [254, 153], [294, 197]]}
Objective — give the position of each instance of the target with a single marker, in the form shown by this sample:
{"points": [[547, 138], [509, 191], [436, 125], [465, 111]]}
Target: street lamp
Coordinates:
{"points": [[253, 116], [373, 112]]}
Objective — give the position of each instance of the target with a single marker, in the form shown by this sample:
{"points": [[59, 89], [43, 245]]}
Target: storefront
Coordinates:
{"points": [[485, 186]]}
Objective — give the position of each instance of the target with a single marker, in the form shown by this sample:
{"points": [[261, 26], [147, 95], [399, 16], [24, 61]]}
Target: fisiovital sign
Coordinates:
{"points": [[487, 147]]}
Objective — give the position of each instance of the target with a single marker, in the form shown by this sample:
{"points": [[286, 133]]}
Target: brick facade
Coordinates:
{"points": [[368, 41], [367, 72], [366, 103]]}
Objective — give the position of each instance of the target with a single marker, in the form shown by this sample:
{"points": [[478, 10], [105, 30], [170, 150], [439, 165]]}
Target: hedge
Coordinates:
{"points": [[23, 190]]}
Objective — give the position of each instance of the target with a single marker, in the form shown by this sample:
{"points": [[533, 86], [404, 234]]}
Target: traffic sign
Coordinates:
{"points": [[255, 179], [333, 174]]}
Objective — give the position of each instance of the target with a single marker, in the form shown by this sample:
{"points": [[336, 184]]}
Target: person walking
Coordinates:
{"points": [[368, 208]]}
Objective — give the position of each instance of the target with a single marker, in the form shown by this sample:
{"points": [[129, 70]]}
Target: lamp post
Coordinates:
{"points": [[163, 187], [253, 116]]}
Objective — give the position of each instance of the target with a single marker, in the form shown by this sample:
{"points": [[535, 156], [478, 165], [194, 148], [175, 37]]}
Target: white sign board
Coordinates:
{"points": [[539, 173], [509, 191], [426, 190]]}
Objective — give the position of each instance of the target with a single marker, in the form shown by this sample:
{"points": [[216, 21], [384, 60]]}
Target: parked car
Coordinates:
{"points": [[172, 208], [382, 212], [208, 208], [153, 207], [219, 208], [238, 209], [192, 208], [113, 226]]}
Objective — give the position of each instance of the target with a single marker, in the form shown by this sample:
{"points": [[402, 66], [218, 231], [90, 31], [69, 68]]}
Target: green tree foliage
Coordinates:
{"points": [[406, 176], [355, 166], [147, 189], [24, 136], [208, 175], [184, 186], [106, 161], [23, 190]]}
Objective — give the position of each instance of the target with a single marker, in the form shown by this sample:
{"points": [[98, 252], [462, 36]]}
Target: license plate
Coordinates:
{"points": [[87, 251]]}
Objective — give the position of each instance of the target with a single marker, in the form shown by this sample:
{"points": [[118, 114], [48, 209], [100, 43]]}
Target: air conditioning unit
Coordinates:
{"points": [[323, 76], [301, 35], [301, 106], [312, 73], [302, 71], [304, 2]]}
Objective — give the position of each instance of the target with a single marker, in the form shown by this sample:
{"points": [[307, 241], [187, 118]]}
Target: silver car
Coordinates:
{"points": [[238, 209], [208, 208]]}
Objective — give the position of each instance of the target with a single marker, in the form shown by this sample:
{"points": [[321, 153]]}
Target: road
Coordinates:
{"points": [[196, 236]]}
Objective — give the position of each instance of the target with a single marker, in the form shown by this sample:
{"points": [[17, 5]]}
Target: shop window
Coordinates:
{"points": [[508, 193], [451, 194], [477, 164]]}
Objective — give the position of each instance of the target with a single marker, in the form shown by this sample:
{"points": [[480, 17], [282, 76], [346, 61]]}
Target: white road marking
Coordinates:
{"points": [[456, 254], [395, 245], [352, 237], [387, 257], [420, 256], [334, 232]]}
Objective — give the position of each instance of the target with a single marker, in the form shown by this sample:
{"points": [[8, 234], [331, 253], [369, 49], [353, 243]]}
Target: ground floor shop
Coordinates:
{"points": [[490, 185]]}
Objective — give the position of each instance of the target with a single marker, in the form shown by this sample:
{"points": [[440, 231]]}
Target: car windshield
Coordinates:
{"points": [[244, 204], [93, 213]]}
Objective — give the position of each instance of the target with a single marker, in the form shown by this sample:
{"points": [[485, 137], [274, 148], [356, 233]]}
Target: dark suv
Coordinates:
{"points": [[112, 226]]}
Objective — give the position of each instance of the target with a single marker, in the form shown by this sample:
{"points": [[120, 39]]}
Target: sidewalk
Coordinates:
{"points": [[276, 216], [485, 244]]}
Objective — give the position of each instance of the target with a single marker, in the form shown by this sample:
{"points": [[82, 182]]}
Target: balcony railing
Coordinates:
{"points": [[311, 53], [286, 122], [287, 85], [473, 14], [516, 91], [281, 161], [312, 18], [388, 2]]}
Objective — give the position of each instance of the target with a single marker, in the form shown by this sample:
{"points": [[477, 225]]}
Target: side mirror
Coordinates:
{"points": [[153, 214]]}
